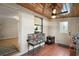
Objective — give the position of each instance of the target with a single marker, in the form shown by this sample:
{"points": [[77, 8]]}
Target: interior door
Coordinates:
{"points": [[63, 34], [73, 28]]}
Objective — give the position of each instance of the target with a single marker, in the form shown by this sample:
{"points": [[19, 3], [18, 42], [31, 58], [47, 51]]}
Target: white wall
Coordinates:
{"points": [[9, 28], [26, 26], [45, 27], [8, 21], [63, 38], [0, 28]]}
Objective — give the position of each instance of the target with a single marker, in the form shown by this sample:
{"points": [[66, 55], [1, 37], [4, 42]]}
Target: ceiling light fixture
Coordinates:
{"points": [[64, 11], [53, 16], [54, 11]]}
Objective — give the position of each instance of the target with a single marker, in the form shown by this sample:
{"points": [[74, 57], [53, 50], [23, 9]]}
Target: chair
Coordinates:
{"points": [[35, 39]]}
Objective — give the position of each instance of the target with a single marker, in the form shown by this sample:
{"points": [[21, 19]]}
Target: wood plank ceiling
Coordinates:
{"points": [[45, 9]]}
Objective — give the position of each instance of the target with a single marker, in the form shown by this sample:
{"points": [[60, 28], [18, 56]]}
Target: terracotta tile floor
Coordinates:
{"points": [[54, 50]]}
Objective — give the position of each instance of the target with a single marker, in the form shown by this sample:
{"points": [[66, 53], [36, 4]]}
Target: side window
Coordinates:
{"points": [[38, 24]]}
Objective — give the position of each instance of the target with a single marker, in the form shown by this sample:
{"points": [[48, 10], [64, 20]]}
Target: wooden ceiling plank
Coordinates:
{"points": [[45, 9]]}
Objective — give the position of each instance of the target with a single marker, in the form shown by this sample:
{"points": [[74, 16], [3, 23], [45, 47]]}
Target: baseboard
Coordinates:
{"points": [[19, 53], [63, 45]]}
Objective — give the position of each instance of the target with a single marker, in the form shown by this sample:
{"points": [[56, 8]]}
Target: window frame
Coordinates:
{"points": [[41, 26]]}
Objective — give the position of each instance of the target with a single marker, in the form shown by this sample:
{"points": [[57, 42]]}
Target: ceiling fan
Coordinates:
{"points": [[54, 10]]}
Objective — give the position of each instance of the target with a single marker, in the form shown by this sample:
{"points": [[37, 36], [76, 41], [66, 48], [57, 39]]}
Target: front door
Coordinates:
{"points": [[66, 31]]}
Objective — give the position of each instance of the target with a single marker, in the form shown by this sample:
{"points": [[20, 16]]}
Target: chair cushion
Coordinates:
{"points": [[34, 39]]}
